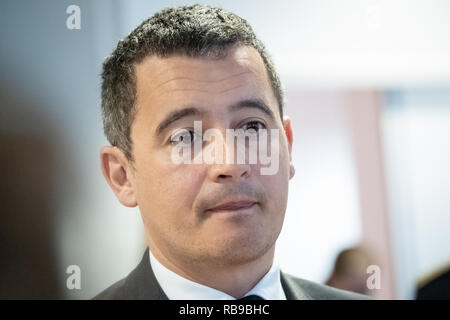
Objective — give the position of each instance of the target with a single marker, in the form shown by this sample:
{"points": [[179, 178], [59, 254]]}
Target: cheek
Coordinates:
{"points": [[277, 185], [165, 202], [167, 189]]}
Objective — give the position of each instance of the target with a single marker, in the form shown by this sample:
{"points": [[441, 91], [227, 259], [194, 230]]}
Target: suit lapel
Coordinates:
{"points": [[141, 283], [292, 289]]}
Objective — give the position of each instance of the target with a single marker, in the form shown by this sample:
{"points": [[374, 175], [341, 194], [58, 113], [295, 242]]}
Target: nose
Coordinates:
{"points": [[229, 172], [228, 169]]}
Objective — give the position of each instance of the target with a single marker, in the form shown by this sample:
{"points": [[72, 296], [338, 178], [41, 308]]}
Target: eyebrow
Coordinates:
{"points": [[193, 111], [253, 103], [177, 115]]}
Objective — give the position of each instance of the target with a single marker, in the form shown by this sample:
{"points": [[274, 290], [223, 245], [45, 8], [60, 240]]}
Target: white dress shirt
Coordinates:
{"points": [[178, 288]]}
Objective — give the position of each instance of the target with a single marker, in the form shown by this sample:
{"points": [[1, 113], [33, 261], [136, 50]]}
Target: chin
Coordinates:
{"points": [[239, 250]]}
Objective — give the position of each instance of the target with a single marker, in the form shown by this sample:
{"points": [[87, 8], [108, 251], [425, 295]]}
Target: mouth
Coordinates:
{"points": [[233, 206]]}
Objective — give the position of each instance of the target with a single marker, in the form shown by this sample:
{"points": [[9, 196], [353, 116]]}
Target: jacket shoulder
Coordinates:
{"points": [[140, 284], [297, 288], [116, 291]]}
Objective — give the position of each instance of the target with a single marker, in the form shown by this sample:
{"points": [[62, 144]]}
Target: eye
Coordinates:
{"points": [[184, 136], [255, 125]]}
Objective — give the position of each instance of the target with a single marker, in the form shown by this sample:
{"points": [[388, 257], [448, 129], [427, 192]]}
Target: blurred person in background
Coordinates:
{"points": [[350, 270], [435, 286]]}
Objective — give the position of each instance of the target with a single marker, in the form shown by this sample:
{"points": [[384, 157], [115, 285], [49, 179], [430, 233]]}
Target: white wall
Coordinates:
{"points": [[347, 43], [416, 138], [322, 216]]}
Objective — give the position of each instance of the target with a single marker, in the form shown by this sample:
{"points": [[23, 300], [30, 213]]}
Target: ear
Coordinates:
{"points": [[290, 140], [118, 173]]}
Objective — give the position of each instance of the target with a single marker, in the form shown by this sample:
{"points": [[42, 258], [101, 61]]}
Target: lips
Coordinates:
{"points": [[233, 206]]}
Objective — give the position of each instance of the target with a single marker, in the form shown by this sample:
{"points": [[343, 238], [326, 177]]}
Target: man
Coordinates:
{"points": [[211, 226]]}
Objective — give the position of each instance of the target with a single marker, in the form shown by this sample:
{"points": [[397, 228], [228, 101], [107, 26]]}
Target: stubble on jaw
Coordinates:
{"points": [[222, 252]]}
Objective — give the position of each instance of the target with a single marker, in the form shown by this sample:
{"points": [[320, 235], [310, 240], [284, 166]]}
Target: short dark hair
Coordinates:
{"points": [[196, 31]]}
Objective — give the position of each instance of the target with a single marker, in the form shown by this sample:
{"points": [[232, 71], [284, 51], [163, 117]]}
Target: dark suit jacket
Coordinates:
{"points": [[141, 284]]}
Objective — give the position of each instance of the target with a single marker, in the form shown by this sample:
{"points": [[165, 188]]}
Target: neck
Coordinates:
{"points": [[234, 280]]}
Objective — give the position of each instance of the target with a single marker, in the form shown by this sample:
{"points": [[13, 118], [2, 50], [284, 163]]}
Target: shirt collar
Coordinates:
{"points": [[178, 288]]}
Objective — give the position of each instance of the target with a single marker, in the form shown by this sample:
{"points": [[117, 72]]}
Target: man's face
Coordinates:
{"points": [[177, 201]]}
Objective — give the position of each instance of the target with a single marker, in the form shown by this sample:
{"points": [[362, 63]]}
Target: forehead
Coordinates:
{"points": [[166, 83], [155, 70]]}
